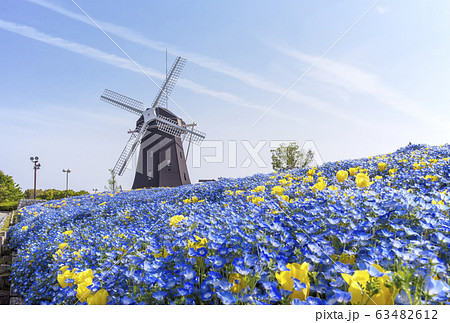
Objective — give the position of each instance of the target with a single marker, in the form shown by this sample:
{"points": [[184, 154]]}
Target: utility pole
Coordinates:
{"points": [[36, 166], [67, 171]]}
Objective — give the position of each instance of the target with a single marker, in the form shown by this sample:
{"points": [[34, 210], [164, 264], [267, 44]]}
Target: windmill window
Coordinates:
{"points": [[184, 174]]}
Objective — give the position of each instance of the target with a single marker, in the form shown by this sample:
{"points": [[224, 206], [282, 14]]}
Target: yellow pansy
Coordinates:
{"points": [[25, 228], [362, 180], [311, 172], [278, 190], [382, 166], [259, 189], [83, 291], [99, 298], [175, 220], [353, 170], [358, 283], [320, 185], [84, 275], [238, 282], [199, 243], [341, 175], [392, 171], [300, 272], [66, 274], [68, 232], [63, 245]]}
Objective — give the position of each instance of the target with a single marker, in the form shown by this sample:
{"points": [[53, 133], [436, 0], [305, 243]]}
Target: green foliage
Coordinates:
{"points": [[113, 185], [8, 206], [290, 156], [6, 223], [52, 194], [29, 194], [9, 191]]}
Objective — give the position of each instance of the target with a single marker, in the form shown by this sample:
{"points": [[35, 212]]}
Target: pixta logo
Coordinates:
{"points": [[244, 153]]}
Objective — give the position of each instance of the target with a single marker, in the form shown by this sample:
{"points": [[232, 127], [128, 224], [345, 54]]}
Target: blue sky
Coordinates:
{"points": [[383, 85]]}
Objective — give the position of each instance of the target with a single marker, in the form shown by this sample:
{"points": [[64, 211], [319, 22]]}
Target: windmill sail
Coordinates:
{"points": [[170, 82], [122, 101], [129, 149]]}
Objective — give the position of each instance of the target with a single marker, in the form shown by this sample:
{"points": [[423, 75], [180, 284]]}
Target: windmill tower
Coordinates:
{"points": [[160, 135]]}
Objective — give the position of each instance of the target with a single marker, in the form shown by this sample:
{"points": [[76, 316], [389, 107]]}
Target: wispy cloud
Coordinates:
{"points": [[126, 64], [355, 80], [212, 64]]}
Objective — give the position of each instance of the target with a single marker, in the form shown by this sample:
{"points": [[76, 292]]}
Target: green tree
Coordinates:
{"points": [[9, 191], [113, 185], [290, 156]]}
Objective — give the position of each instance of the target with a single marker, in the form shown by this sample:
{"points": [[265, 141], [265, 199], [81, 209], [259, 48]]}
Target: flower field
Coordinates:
{"points": [[367, 231]]}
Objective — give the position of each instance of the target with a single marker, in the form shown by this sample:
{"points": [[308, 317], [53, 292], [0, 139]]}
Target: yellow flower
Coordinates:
{"points": [[311, 172], [66, 274], [378, 177], [362, 180], [259, 189], [99, 298], [77, 255], [25, 228], [199, 243], [432, 178], [278, 190], [300, 272], [83, 276], [63, 245], [238, 282], [83, 291], [194, 199], [382, 166], [358, 282], [320, 185], [392, 171], [68, 232], [163, 254], [175, 220], [257, 200], [353, 170], [341, 175]]}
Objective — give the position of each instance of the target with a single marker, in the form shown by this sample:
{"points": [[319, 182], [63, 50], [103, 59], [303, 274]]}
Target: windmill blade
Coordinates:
{"points": [[170, 81], [193, 136], [129, 149], [171, 127], [123, 102]]}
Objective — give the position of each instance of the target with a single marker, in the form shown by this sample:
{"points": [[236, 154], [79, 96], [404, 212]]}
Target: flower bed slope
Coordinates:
{"points": [[367, 231]]}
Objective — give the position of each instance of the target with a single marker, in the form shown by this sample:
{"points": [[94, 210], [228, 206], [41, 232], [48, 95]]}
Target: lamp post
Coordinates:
{"points": [[67, 171], [36, 166]]}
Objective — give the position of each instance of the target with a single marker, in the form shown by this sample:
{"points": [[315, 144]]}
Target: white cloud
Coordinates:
{"points": [[213, 65], [125, 63], [382, 10], [355, 80]]}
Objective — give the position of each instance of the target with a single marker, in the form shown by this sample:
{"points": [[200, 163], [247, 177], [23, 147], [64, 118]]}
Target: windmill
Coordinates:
{"points": [[160, 135]]}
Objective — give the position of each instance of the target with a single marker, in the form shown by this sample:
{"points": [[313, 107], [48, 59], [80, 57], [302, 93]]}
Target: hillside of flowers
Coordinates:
{"points": [[367, 231]]}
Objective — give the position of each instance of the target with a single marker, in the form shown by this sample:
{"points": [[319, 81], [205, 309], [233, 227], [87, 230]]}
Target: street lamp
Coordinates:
{"points": [[67, 171], [95, 190], [36, 166]]}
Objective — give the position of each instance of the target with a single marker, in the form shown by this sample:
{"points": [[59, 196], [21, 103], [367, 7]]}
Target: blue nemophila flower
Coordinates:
{"points": [[125, 238], [227, 298], [341, 296], [437, 289], [159, 295]]}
